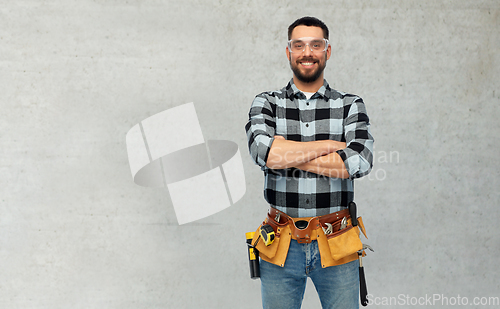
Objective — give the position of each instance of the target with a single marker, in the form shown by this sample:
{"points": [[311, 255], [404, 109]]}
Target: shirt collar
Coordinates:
{"points": [[292, 90]]}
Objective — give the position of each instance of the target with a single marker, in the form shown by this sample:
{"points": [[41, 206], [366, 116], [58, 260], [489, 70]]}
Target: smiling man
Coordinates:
{"points": [[308, 64], [311, 142]]}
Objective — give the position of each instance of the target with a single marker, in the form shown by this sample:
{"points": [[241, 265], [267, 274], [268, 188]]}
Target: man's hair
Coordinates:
{"points": [[310, 22]]}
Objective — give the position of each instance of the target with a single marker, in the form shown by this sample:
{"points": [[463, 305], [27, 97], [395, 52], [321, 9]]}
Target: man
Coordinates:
{"points": [[311, 142]]}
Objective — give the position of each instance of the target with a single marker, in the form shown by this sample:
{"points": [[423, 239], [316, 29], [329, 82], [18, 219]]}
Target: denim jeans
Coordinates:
{"points": [[284, 287]]}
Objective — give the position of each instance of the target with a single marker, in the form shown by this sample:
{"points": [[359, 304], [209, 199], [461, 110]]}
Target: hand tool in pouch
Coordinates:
{"points": [[363, 292], [266, 233], [362, 282], [253, 257]]}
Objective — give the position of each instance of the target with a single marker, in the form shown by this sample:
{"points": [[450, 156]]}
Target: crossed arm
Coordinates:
{"points": [[318, 157]]}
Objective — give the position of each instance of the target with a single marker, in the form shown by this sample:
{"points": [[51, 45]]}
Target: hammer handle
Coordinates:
{"points": [[363, 292]]}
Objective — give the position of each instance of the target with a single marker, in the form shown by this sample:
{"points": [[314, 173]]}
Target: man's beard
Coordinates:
{"points": [[308, 78]]}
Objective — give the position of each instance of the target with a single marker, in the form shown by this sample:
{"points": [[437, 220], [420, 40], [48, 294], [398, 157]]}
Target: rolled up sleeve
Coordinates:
{"points": [[358, 154], [260, 130]]}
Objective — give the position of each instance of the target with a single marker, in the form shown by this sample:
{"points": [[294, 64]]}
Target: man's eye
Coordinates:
{"points": [[317, 44]]}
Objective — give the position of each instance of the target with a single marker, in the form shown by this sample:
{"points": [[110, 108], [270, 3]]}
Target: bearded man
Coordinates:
{"points": [[311, 142]]}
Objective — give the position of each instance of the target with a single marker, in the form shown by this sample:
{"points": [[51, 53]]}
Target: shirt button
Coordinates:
{"points": [[307, 103], [307, 125], [307, 201]]}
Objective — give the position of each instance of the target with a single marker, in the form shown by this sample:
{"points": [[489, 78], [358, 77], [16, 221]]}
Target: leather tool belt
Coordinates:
{"points": [[337, 246], [302, 228]]}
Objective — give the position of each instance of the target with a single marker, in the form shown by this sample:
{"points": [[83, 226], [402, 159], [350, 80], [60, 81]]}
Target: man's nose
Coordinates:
{"points": [[307, 50]]}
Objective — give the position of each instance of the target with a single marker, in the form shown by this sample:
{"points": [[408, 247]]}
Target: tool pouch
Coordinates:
{"points": [[276, 252], [337, 248], [344, 242], [342, 246]]}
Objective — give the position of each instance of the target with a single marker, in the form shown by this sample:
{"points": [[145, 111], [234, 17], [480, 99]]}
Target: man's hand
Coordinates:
{"points": [[330, 165]]}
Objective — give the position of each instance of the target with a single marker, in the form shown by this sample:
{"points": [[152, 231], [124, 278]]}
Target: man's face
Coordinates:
{"points": [[308, 66]]}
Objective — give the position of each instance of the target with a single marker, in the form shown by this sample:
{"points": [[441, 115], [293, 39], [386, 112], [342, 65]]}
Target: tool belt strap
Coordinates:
{"points": [[280, 219]]}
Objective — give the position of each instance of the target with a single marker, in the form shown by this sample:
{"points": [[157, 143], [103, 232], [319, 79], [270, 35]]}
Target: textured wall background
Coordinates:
{"points": [[75, 76]]}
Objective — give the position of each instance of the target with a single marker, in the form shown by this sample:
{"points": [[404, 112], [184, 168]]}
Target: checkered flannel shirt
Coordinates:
{"points": [[328, 114]]}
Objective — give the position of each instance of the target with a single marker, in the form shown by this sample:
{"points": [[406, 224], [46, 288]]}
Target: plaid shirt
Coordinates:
{"points": [[328, 114]]}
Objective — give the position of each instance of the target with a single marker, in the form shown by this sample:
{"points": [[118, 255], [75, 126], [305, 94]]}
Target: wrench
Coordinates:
{"points": [[343, 224]]}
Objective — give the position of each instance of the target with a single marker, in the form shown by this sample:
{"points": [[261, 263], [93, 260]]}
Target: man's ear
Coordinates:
{"points": [[288, 53], [328, 51]]}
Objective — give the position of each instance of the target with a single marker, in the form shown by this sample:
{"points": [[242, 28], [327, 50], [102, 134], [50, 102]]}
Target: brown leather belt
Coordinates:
{"points": [[302, 229]]}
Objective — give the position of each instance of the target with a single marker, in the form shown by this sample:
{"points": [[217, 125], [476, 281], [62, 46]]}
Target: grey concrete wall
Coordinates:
{"points": [[76, 232]]}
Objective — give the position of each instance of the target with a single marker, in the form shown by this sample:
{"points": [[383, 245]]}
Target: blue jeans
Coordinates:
{"points": [[284, 287]]}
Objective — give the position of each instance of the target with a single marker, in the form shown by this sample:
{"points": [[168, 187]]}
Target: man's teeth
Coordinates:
{"points": [[307, 63]]}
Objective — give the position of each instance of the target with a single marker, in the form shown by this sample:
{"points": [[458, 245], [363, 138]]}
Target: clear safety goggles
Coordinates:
{"points": [[316, 45]]}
